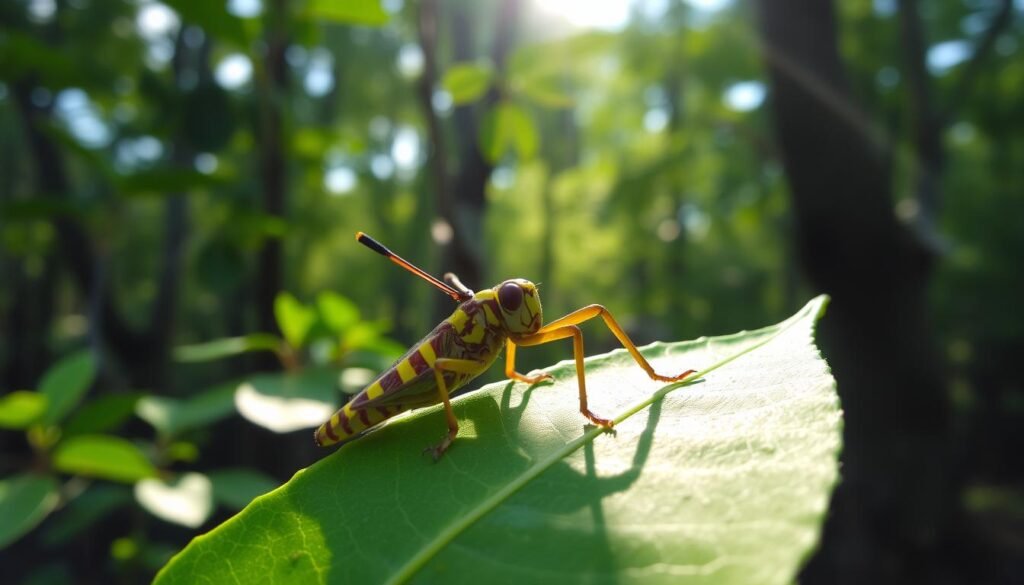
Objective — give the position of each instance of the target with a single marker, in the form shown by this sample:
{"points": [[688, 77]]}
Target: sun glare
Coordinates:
{"points": [[600, 14]]}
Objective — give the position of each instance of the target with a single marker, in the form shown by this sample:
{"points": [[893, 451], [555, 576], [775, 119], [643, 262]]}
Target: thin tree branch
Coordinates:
{"points": [[925, 122], [271, 89], [974, 64]]}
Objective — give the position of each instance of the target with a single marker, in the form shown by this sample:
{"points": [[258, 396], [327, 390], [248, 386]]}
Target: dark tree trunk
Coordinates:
{"points": [[461, 199], [273, 177], [894, 505]]}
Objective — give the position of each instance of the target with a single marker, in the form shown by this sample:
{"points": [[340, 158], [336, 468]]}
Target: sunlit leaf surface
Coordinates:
{"points": [[186, 499], [722, 480], [289, 402]]}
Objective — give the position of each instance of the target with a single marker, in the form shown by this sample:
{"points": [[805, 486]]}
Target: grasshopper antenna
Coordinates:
{"points": [[384, 251]]}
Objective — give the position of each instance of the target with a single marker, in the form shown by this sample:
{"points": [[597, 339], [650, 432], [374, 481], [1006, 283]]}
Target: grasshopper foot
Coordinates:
{"points": [[682, 376], [531, 380], [601, 422], [436, 451]]}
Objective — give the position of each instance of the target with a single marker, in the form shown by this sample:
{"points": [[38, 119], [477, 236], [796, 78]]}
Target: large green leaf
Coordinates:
{"points": [[722, 480]]}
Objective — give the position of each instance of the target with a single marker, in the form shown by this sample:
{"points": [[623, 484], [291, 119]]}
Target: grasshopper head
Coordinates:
{"points": [[520, 306]]}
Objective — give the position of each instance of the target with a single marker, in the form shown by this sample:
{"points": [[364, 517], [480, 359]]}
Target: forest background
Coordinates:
{"points": [[180, 183]]}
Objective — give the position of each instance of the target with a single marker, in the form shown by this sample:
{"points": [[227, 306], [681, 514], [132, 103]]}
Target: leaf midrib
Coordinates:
{"points": [[461, 524]]}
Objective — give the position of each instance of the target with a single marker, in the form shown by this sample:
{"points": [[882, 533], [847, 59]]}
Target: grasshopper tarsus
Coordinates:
{"points": [[601, 422], [436, 451], [678, 378], [531, 380]]}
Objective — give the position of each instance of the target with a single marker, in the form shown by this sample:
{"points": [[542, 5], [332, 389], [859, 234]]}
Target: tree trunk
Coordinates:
{"points": [[894, 505], [466, 203], [273, 176]]}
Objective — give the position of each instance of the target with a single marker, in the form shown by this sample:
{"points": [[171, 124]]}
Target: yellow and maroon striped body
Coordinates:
{"points": [[476, 331]]}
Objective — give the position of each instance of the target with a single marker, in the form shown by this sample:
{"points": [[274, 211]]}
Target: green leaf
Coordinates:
{"points": [[508, 127], [467, 82], [171, 417], [103, 457], [65, 383], [723, 479], [294, 318], [103, 414], [21, 408], [235, 488], [365, 12], [227, 347], [336, 311], [99, 501], [24, 501]]}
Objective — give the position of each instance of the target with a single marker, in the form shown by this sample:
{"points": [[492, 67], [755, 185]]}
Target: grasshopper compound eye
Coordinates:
{"points": [[510, 295]]}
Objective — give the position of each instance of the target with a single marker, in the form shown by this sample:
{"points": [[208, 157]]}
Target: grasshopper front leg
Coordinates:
{"points": [[442, 365], [567, 327], [591, 311], [510, 367], [573, 331]]}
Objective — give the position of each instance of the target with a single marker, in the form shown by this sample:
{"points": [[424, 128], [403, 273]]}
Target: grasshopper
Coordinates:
{"points": [[462, 347]]}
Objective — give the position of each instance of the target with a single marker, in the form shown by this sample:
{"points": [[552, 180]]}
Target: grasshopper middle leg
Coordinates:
{"points": [[450, 365]]}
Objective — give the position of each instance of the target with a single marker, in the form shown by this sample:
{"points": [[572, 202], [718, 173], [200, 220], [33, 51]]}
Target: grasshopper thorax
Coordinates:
{"points": [[519, 302]]}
